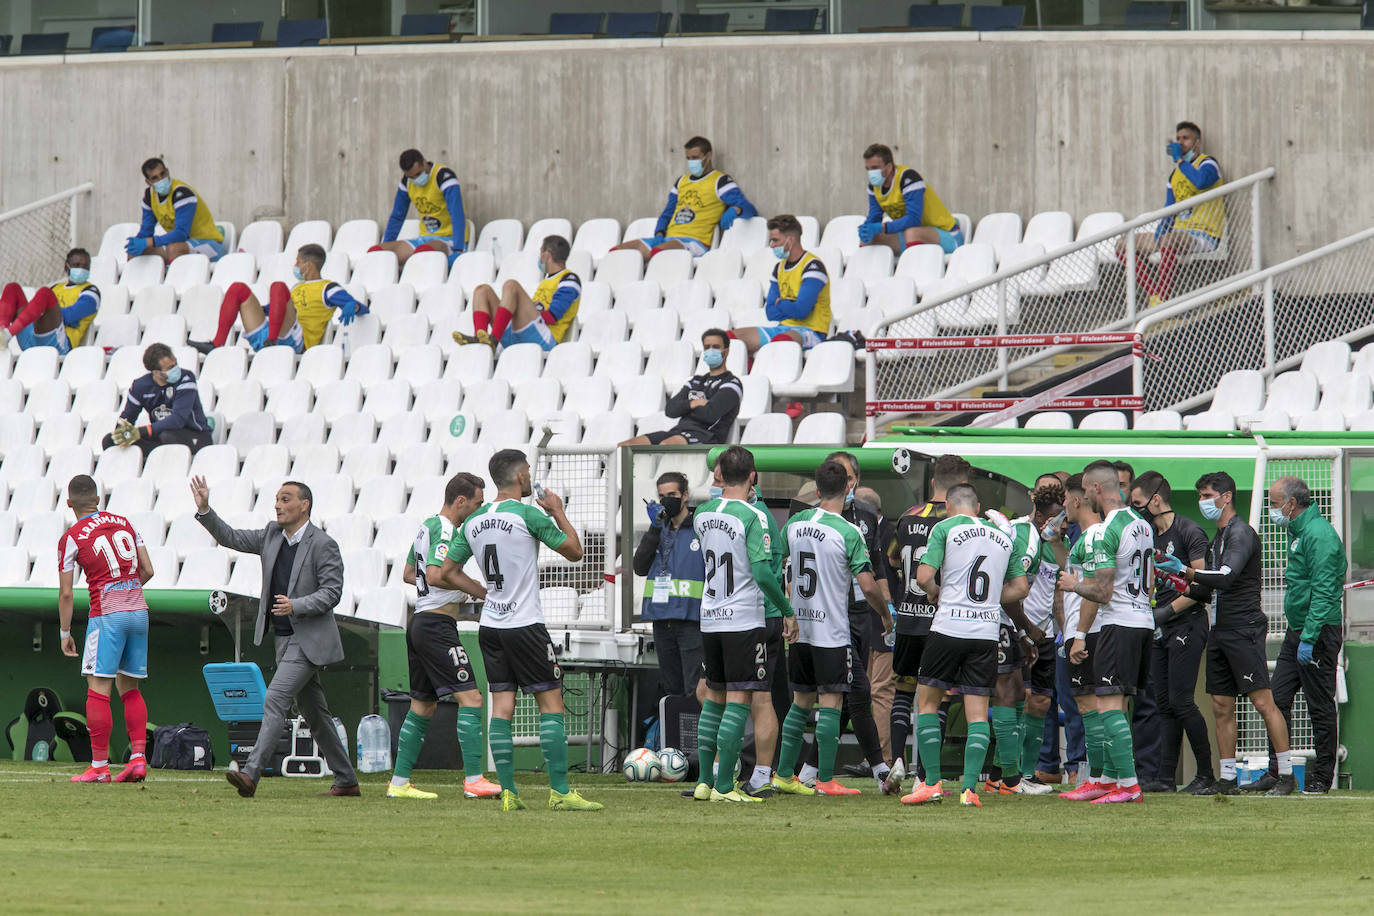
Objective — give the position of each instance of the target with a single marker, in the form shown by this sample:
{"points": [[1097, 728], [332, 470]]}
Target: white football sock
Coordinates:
{"points": [[1285, 762]]}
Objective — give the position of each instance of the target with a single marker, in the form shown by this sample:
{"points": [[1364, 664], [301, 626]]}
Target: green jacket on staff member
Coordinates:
{"points": [[1315, 575]]}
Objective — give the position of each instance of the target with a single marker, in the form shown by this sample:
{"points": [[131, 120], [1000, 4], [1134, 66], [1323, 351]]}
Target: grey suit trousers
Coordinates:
{"points": [[297, 679]]}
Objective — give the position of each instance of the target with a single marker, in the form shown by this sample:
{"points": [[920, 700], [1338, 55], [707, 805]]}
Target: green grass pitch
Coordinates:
{"points": [[186, 842]]}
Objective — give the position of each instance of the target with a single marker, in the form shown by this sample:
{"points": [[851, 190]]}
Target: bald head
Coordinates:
{"points": [[1290, 496], [963, 499]]}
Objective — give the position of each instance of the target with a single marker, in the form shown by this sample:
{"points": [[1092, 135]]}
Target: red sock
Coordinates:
{"points": [[420, 248], [278, 299], [99, 723], [236, 295], [1168, 265], [654, 251], [11, 301], [43, 299], [914, 244], [375, 248], [499, 322], [135, 720], [480, 320]]}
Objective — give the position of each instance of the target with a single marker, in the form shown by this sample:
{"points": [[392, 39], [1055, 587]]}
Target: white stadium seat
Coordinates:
{"points": [[252, 429], [780, 361], [1049, 419], [1268, 420], [471, 270], [1210, 420], [309, 232], [1052, 229], [544, 228], [424, 270], [842, 233], [187, 271], [154, 301], [69, 462], [620, 267], [641, 228], [597, 236], [820, 429], [746, 235], [1159, 419], [262, 239], [113, 240], [1000, 230], [144, 270], [48, 398], [668, 268], [207, 568], [321, 365], [829, 369], [1327, 361], [265, 461], [1326, 419], [768, 429], [375, 270], [1104, 419], [287, 400], [500, 237], [36, 364], [1293, 393], [1351, 394], [354, 238], [115, 331], [1240, 391]]}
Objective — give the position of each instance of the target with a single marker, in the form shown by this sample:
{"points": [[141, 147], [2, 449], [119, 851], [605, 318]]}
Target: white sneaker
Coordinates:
{"points": [[1032, 786], [898, 770]]}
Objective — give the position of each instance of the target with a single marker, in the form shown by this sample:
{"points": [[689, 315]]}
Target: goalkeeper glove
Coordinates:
{"points": [[727, 219], [869, 231]]}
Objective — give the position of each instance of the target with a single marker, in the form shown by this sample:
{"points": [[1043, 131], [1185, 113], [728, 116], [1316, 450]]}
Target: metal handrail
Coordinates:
{"points": [[85, 188]]}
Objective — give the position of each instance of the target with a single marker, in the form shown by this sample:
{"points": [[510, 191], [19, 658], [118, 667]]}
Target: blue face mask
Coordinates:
{"points": [[695, 167], [1209, 509], [420, 180], [1278, 518], [713, 358], [173, 375], [875, 177], [162, 187], [296, 272], [715, 492], [849, 498], [78, 274], [780, 251], [1190, 155]]}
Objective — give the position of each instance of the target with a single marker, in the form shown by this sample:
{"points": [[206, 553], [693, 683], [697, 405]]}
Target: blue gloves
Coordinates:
{"points": [[1168, 563], [1175, 151], [655, 512], [135, 247], [347, 312], [1304, 653], [869, 231], [727, 219]]}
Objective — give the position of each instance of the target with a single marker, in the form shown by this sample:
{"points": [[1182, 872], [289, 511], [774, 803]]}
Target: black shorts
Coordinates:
{"points": [[1040, 676], [1008, 650], [1123, 659], [819, 669], [775, 648], [906, 657], [693, 436], [969, 664], [1082, 678], [1236, 662], [439, 664], [737, 661], [521, 657]]}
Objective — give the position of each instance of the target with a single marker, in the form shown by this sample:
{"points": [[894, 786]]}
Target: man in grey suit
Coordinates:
{"points": [[302, 579]]}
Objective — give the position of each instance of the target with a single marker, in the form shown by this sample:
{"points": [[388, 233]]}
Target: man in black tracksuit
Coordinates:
{"points": [[1236, 661], [1179, 641]]}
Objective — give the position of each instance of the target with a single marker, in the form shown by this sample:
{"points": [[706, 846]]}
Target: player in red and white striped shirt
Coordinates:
{"points": [[115, 562]]}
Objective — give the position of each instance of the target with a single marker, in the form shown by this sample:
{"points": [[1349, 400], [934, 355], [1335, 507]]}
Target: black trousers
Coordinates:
{"points": [[1174, 664], [678, 643], [195, 440], [1318, 683]]}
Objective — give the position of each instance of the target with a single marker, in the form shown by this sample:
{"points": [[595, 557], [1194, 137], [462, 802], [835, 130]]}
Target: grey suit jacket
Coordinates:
{"points": [[315, 589]]}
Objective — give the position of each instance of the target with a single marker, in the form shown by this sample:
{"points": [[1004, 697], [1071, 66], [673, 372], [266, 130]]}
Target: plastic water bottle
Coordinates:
{"points": [[374, 745], [343, 733]]}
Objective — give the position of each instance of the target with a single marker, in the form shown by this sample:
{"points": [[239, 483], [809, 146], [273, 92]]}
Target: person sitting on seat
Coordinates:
{"points": [[171, 399], [705, 407], [295, 317], [798, 295], [516, 317], [433, 189], [1195, 231], [902, 209], [697, 202], [58, 315], [184, 218]]}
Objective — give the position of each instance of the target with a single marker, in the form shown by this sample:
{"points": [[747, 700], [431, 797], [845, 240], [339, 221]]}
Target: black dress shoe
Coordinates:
{"points": [[203, 346], [1263, 784], [859, 770], [240, 780], [1315, 788], [1158, 785], [1197, 785]]}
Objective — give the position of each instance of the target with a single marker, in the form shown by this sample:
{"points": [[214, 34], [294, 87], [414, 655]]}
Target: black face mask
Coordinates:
{"points": [[672, 505], [1144, 512]]}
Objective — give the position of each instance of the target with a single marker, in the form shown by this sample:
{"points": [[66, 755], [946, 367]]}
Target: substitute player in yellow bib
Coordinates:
{"points": [[1195, 231], [433, 190], [697, 202], [176, 208], [517, 317], [295, 317], [902, 209], [57, 316], [798, 295]]}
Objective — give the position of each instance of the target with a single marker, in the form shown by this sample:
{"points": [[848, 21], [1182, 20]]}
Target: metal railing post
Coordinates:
{"points": [[1001, 331], [870, 386], [1130, 275], [1270, 344], [1255, 227]]}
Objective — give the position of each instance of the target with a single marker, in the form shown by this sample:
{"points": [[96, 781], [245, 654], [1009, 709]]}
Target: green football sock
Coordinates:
{"points": [[827, 742], [708, 731], [729, 741], [793, 731], [408, 746], [1120, 748], [1092, 733], [975, 753], [1032, 737], [553, 741], [470, 739], [928, 744], [503, 753], [1005, 730]]}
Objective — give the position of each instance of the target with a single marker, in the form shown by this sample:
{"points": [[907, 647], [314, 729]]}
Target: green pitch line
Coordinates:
{"points": [[187, 839]]}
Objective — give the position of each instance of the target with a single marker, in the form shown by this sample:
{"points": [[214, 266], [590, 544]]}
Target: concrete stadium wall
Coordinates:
{"points": [[581, 129]]}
